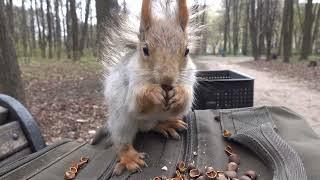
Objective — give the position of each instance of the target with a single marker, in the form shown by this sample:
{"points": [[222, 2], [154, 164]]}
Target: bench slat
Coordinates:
{"points": [[12, 139], [24, 152], [3, 115]]}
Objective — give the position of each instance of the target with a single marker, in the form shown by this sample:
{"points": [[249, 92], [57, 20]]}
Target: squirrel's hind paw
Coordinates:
{"points": [[131, 160]]}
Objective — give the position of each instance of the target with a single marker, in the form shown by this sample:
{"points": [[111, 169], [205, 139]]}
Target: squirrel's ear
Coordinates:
{"points": [[183, 14], [145, 15]]}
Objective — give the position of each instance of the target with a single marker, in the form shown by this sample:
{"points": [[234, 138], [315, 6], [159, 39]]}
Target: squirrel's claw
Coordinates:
{"points": [[131, 160], [177, 99], [170, 127]]}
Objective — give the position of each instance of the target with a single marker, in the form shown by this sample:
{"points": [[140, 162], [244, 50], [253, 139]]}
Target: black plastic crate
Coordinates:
{"points": [[223, 89]]}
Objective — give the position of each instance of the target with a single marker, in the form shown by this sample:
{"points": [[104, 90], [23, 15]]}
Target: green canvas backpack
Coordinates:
{"points": [[202, 144]]}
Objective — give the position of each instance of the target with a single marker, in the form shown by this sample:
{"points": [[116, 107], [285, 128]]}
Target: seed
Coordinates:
{"points": [[232, 166], [234, 158], [190, 166], [244, 178], [251, 174], [230, 174], [69, 175], [181, 167], [194, 173]]}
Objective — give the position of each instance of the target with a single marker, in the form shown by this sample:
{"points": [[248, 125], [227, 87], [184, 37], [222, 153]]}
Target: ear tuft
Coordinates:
{"points": [[183, 14], [145, 15]]}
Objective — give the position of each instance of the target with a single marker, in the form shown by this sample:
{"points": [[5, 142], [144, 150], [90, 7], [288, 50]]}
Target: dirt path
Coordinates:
{"points": [[271, 89]]}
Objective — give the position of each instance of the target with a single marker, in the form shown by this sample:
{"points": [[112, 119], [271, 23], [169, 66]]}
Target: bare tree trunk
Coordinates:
{"points": [[11, 19], [226, 25], [49, 29], [260, 24], [74, 19], [92, 38], [32, 28], [316, 26], [85, 28], [68, 27], [43, 40], [245, 29], [58, 29], [271, 9], [24, 32], [10, 76], [236, 24], [300, 18], [38, 25], [287, 29], [253, 30], [204, 32], [307, 31]]}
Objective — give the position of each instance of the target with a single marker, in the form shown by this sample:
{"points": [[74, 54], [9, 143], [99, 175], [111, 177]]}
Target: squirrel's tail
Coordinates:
{"points": [[120, 35]]}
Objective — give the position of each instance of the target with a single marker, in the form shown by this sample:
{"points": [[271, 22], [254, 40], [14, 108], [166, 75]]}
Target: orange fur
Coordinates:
{"points": [[146, 14], [179, 100], [129, 158], [148, 97], [183, 17], [171, 127]]}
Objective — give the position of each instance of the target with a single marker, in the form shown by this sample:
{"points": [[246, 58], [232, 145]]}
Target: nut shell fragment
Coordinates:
{"points": [[194, 173], [68, 175], [226, 133], [182, 167]]}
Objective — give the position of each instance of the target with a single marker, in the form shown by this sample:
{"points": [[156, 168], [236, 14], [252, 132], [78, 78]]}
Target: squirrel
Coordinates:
{"points": [[152, 87]]}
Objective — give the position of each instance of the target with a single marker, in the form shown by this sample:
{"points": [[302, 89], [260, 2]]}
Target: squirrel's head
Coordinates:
{"points": [[163, 43]]}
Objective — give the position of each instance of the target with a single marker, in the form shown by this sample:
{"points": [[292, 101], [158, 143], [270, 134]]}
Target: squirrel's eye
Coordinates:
{"points": [[187, 52], [145, 50]]}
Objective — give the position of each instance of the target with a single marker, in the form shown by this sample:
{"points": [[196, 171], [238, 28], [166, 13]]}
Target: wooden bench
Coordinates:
{"points": [[19, 132]]}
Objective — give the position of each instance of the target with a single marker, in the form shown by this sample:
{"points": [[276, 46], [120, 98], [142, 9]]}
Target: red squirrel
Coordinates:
{"points": [[151, 88]]}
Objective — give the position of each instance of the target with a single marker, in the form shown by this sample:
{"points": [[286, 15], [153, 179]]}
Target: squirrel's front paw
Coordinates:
{"points": [[129, 159], [149, 96], [178, 99]]}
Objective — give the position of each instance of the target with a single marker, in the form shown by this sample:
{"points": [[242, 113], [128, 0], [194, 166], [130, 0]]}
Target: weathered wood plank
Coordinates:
{"points": [[12, 139], [24, 152], [3, 115]]}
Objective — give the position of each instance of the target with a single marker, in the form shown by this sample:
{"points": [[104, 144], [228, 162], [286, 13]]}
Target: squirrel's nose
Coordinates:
{"points": [[166, 87]]}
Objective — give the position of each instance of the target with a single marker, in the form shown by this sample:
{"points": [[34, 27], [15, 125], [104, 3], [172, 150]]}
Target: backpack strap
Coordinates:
{"points": [[255, 129]]}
